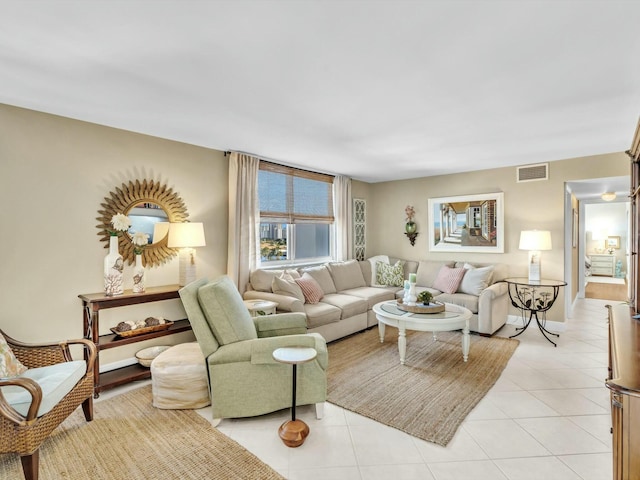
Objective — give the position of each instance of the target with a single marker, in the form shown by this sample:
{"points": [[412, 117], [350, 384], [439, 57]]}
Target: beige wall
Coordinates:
{"points": [[531, 205], [54, 173]]}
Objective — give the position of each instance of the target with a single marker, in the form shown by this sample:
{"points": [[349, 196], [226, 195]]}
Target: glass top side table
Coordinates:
{"points": [[536, 298]]}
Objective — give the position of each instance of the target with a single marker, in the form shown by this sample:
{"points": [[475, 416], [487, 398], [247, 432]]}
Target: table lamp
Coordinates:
{"points": [[186, 236], [535, 241]]}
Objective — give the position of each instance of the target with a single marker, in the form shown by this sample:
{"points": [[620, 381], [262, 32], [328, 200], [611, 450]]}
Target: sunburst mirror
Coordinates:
{"points": [[151, 206]]}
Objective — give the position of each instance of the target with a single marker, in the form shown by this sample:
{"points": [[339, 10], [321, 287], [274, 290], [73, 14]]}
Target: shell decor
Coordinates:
{"points": [[122, 199]]}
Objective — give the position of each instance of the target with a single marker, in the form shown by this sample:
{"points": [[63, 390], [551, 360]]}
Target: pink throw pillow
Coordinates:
{"points": [[310, 288], [448, 279]]}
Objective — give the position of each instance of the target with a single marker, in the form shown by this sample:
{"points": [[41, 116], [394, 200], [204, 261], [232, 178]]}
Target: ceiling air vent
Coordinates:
{"points": [[533, 173]]}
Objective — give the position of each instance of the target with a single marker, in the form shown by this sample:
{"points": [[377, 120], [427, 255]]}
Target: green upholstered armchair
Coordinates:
{"points": [[244, 379]]}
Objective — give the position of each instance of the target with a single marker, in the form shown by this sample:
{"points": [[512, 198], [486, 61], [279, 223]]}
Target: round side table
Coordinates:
{"points": [[260, 307], [293, 432]]}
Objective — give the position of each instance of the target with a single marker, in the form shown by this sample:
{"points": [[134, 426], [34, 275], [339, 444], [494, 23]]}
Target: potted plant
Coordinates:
{"points": [[425, 297]]}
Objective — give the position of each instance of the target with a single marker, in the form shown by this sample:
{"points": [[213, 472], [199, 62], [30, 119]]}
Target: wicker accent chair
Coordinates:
{"points": [[23, 433]]}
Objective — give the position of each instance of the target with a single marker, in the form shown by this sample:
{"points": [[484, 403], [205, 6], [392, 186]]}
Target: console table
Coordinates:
{"points": [[623, 380], [92, 303], [535, 297]]}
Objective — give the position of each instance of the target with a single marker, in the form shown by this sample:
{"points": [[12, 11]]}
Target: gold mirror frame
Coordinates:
{"points": [[123, 199]]}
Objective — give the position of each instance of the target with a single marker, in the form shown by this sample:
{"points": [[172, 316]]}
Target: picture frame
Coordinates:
{"points": [[574, 229], [613, 242], [467, 223]]}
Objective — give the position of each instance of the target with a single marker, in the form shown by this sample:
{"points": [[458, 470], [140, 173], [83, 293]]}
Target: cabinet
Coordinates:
{"points": [[623, 381], [92, 303], [602, 264]]}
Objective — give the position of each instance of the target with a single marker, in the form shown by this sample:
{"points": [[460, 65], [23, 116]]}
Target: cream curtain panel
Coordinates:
{"points": [[343, 217], [244, 218]]}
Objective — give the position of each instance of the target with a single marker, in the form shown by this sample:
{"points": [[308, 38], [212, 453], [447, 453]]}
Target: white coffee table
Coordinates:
{"points": [[453, 318]]}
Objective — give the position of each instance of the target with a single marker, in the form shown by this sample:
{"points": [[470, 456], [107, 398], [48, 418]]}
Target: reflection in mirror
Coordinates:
{"points": [[144, 217]]}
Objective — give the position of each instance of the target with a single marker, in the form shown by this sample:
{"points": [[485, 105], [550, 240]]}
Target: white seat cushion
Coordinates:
{"points": [[54, 380]]}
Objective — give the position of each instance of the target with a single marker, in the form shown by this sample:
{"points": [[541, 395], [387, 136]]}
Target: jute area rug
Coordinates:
{"points": [[431, 394], [130, 439]]}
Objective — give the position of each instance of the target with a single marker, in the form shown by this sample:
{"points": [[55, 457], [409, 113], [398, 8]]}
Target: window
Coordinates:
{"points": [[296, 214]]}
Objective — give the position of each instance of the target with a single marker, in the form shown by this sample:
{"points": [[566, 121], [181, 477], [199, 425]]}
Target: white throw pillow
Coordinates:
{"points": [[286, 285], [476, 279]]}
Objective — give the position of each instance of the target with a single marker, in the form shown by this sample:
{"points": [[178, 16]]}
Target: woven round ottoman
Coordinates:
{"points": [[179, 378]]}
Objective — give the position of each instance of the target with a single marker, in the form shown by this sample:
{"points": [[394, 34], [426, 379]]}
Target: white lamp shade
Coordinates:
{"points": [[535, 240], [186, 235]]}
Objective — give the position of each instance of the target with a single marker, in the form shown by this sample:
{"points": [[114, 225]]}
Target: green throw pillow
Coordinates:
{"points": [[392, 275]]}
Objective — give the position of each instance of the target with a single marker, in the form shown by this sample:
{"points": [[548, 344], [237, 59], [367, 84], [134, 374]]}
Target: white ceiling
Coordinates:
{"points": [[376, 90]]}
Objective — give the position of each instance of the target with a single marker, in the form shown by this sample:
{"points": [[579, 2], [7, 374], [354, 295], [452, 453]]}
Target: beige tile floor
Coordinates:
{"points": [[547, 417]]}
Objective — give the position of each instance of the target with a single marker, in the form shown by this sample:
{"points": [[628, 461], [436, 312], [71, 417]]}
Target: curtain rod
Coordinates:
{"points": [[277, 162]]}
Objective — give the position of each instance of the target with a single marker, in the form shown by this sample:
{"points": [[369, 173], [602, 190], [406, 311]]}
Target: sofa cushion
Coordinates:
{"points": [[346, 275], [475, 280], [55, 381], [349, 304], [323, 277], [391, 275], [428, 271], [321, 313], [462, 299], [225, 312], [372, 295], [311, 289], [448, 279], [10, 366], [261, 280], [286, 285]]}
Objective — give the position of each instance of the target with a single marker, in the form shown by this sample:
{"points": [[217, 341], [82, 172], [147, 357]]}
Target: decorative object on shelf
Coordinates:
{"points": [[113, 262], [410, 227], [140, 241], [535, 241], [131, 329], [147, 355], [147, 203], [186, 236]]}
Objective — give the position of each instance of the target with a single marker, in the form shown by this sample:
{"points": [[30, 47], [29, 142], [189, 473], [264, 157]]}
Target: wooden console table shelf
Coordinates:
{"points": [[623, 381], [92, 303]]}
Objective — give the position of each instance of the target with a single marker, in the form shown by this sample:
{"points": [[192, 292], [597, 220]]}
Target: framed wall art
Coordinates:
{"points": [[467, 223]]}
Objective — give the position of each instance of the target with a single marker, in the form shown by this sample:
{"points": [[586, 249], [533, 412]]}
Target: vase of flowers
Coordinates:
{"points": [[410, 226], [140, 240], [113, 262]]}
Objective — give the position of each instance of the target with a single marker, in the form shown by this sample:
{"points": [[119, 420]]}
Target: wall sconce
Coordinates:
{"points": [[410, 227], [186, 236], [535, 241]]}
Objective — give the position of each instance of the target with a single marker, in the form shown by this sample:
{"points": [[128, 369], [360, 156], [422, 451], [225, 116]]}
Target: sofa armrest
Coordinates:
{"points": [[280, 324], [259, 351], [493, 308], [285, 303]]}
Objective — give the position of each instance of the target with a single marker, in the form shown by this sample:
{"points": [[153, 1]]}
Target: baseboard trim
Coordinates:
{"points": [[125, 362]]}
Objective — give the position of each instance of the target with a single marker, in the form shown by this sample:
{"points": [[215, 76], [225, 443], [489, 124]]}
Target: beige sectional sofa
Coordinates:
{"points": [[349, 291]]}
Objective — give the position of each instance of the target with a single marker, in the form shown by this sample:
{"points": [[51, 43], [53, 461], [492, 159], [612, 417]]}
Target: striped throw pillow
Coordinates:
{"points": [[310, 288]]}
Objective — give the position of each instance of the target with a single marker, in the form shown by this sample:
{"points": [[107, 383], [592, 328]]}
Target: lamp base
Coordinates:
{"points": [[187, 266], [534, 266]]}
